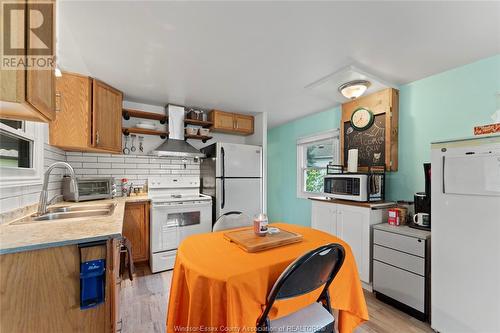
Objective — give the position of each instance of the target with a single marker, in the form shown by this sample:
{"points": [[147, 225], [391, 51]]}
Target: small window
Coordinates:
{"points": [[15, 151], [314, 153], [21, 152]]}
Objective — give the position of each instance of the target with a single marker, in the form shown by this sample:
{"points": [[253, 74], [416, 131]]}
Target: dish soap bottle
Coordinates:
{"points": [[260, 224]]}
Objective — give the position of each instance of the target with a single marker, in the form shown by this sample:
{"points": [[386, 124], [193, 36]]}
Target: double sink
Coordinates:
{"points": [[67, 212], [73, 211]]}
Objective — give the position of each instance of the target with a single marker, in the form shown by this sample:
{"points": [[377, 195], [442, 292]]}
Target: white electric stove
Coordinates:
{"points": [[178, 210]]}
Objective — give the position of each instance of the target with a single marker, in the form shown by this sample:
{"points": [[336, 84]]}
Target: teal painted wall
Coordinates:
{"points": [[282, 201], [443, 106]]}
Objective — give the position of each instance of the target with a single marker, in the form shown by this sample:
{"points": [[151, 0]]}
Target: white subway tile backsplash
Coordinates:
{"points": [[75, 158], [75, 164], [169, 166], [111, 159], [136, 168], [103, 165], [108, 171], [123, 165], [148, 166], [159, 160], [137, 171], [90, 165], [85, 171], [159, 171], [141, 160]]}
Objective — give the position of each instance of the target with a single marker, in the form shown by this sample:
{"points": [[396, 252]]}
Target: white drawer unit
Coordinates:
{"points": [[402, 260], [401, 268], [392, 240]]}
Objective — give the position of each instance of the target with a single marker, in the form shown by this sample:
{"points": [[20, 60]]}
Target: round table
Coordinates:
{"points": [[218, 287]]}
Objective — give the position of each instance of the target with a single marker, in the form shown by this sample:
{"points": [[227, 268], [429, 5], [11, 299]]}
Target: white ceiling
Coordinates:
{"points": [[260, 56]]}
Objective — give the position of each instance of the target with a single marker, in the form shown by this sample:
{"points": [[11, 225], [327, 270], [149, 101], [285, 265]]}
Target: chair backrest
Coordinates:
{"points": [[309, 272], [312, 270], [232, 220]]}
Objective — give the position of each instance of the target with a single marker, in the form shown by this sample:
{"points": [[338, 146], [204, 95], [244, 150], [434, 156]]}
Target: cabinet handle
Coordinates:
{"points": [[97, 137], [121, 325], [236, 122], [58, 96]]}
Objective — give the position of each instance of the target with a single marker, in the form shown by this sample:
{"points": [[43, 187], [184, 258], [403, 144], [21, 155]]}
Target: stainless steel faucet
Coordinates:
{"points": [[42, 203]]}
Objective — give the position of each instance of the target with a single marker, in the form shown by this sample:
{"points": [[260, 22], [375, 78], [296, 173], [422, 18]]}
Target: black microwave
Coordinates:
{"points": [[363, 187]]}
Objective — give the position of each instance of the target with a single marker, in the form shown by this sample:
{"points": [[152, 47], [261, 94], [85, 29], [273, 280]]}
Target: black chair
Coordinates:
{"points": [[309, 272]]}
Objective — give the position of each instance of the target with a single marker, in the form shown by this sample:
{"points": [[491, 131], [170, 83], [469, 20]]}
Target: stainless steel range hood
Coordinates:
{"points": [[175, 145]]}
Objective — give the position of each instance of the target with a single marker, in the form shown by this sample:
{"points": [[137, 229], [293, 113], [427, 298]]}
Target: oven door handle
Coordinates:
{"points": [[172, 224]]}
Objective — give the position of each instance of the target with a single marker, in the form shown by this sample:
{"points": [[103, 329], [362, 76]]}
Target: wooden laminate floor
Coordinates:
{"points": [[144, 308]]}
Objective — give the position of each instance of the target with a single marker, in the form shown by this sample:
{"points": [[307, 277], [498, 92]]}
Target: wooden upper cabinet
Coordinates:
{"points": [[106, 120], [88, 116], [136, 229], [233, 123], [29, 94], [71, 128], [243, 123], [222, 120]]}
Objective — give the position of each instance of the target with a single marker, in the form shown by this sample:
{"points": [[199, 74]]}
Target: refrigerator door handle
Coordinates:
{"points": [[223, 202], [444, 159], [223, 157]]}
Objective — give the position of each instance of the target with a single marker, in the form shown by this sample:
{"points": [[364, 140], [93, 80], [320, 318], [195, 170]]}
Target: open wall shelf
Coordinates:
{"points": [[196, 122], [128, 113], [133, 130], [203, 138]]}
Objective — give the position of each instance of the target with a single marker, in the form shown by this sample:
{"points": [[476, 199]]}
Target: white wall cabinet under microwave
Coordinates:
{"points": [[352, 223]]}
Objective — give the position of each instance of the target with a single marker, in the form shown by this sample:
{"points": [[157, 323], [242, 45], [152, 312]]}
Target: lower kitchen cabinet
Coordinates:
{"points": [[401, 268], [40, 290], [136, 229], [351, 223]]}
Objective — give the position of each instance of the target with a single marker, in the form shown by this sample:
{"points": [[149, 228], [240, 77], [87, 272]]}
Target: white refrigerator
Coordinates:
{"points": [[465, 255], [232, 174]]}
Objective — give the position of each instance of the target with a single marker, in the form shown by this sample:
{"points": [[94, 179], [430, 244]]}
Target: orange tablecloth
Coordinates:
{"points": [[216, 286]]}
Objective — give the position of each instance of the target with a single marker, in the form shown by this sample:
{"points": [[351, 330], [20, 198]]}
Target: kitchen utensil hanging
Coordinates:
{"points": [[132, 148], [126, 151], [141, 147]]}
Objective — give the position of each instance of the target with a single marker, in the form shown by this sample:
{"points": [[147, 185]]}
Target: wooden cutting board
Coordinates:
{"points": [[250, 242]]}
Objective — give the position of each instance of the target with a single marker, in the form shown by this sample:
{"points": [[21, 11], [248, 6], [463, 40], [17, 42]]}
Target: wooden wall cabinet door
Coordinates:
{"points": [[29, 94], [232, 123], [223, 121], [106, 117], [71, 128], [243, 123], [136, 229]]}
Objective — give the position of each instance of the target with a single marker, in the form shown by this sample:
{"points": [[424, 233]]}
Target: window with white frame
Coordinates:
{"points": [[21, 152], [314, 153]]}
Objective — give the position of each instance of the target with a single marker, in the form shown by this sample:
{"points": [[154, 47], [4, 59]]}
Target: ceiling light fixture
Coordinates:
{"points": [[354, 89]]}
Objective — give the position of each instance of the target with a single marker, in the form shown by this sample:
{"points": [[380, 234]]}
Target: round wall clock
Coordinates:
{"points": [[362, 119]]}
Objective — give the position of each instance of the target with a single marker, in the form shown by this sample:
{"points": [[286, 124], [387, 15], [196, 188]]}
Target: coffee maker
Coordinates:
{"points": [[422, 217]]}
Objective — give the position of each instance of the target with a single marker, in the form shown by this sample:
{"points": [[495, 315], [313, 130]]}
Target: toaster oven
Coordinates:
{"points": [[89, 188], [355, 186]]}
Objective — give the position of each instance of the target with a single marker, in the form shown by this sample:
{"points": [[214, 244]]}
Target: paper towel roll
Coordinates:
{"points": [[352, 160]]}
